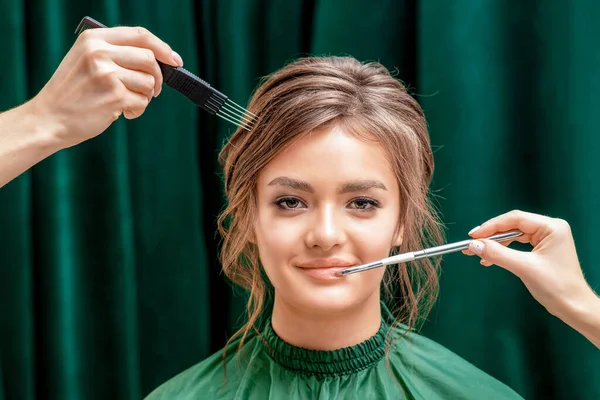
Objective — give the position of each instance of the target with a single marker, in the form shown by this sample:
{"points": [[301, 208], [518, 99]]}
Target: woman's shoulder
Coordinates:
{"points": [[207, 378], [435, 370]]}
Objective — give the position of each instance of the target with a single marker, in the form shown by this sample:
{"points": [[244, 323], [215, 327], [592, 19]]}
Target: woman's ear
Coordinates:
{"points": [[399, 237]]}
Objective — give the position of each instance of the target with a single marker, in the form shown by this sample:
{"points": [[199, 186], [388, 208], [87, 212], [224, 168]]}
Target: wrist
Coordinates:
{"points": [[47, 132], [583, 314], [576, 308], [27, 138]]}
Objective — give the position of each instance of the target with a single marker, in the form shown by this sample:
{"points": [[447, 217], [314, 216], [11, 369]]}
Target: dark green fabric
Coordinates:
{"points": [[102, 243], [109, 283], [269, 368]]}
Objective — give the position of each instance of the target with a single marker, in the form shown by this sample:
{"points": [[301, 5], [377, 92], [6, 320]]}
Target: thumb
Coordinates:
{"points": [[512, 260]]}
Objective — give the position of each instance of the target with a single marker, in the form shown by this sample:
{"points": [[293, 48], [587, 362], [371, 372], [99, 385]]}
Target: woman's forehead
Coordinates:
{"points": [[330, 155]]}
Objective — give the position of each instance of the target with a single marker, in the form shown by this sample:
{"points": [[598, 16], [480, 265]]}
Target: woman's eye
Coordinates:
{"points": [[289, 203], [293, 203], [364, 204]]}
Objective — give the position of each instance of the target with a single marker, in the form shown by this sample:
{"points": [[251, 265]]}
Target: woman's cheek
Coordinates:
{"points": [[279, 240], [281, 231], [374, 237]]}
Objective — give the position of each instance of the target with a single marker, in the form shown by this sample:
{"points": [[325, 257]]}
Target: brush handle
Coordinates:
{"points": [[463, 245], [400, 258], [431, 252]]}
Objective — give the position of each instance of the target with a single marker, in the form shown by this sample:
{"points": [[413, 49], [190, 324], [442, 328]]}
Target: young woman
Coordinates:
{"points": [[335, 173]]}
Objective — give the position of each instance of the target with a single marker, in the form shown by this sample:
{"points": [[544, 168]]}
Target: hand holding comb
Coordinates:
{"points": [[198, 91]]}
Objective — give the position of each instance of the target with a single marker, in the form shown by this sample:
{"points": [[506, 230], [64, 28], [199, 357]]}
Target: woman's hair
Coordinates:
{"points": [[365, 101]]}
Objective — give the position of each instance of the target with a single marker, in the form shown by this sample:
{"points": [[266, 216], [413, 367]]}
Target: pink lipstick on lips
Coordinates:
{"points": [[325, 268]]}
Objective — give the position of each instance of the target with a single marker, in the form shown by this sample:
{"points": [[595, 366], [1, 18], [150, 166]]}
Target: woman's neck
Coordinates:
{"points": [[326, 331]]}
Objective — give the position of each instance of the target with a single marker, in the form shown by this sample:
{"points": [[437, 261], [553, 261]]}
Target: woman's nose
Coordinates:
{"points": [[326, 230]]}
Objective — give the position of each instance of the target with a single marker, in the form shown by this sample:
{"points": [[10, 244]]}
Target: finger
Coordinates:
{"points": [[524, 238], [136, 81], [485, 263], [137, 59], [520, 239], [133, 104], [492, 252], [137, 37], [528, 223]]}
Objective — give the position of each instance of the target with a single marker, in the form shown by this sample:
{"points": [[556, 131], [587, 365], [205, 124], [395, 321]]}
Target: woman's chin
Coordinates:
{"points": [[329, 300], [327, 296]]}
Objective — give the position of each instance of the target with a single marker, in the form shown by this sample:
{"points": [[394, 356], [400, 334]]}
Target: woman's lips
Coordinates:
{"points": [[324, 273], [325, 268]]}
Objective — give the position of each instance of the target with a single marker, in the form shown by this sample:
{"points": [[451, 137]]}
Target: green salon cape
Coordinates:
{"points": [[269, 368]]}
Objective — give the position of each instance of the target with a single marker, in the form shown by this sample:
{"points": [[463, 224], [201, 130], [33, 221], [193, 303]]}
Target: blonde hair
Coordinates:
{"points": [[366, 101]]}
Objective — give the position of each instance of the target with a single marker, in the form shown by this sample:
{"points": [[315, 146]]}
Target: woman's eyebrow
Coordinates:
{"points": [[292, 183], [348, 187], [360, 186]]}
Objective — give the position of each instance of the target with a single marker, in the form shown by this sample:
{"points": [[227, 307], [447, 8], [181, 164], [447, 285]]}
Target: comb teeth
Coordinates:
{"points": [[194, 88], [207, 97], [243, 118]]}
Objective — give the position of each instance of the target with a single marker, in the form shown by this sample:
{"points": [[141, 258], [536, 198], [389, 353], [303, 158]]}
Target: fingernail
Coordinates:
{"points": [[476, 247], [158, 92], [177, 58], [474, 229]]}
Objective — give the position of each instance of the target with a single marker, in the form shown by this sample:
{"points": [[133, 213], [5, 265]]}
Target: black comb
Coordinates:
{"points": [[194, 88]]}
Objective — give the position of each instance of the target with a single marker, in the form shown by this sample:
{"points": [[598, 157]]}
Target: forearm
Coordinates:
{"points": [[584, 317], [25, 140]]}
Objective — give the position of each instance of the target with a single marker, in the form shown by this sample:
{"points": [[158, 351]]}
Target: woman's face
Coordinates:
{"points": [[327, 202]]}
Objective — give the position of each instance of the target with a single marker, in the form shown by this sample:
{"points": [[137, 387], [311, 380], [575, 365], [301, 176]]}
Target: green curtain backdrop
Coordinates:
{"points": [[109, 282]]}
